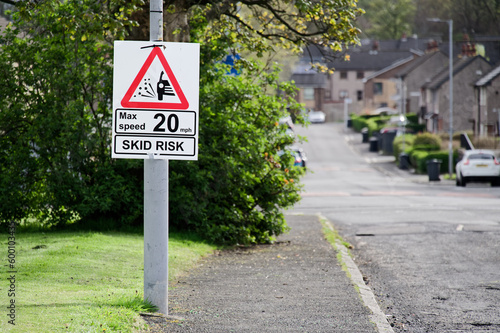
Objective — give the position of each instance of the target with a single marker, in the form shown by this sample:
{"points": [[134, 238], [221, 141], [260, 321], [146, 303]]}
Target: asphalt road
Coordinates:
{"points": [[430, 251]]}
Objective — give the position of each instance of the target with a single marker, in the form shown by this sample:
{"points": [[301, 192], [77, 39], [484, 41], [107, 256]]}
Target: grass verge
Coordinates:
{"points": [[82, 281], [332, 236]]}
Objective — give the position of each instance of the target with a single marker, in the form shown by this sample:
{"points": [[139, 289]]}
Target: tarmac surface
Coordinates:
{"points": [[299, 284], [294, 285]]}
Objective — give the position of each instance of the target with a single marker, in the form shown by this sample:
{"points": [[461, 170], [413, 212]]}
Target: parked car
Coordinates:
{"points": [[316, 116], [298, 154], [383, 111], [479, 166], [297, 151]]}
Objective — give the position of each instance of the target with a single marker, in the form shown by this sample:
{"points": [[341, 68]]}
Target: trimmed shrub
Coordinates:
{"points": [[419, 159], [358, 122], [427, 139], [398, 144]]}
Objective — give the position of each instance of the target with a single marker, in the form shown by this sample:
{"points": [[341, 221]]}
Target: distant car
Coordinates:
{"points": [[299, 155], [287, 121], [479, 166], [384, 111], [316, 116]]}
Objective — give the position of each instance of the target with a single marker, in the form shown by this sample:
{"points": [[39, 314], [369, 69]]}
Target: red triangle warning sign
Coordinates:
{"points": [[155, 86]]}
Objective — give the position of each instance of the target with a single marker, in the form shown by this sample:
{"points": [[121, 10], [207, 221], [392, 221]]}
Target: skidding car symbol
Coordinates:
{"points": [[164, 88]]}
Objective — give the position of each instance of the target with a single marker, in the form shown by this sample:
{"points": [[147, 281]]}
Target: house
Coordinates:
{"points": [[381, 87], [312, 86], [327, 92], [435, 95], [419, 71], [487, 88]]}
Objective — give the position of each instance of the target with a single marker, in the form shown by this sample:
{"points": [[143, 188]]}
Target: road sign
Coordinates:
{"points": [[155, 100]]}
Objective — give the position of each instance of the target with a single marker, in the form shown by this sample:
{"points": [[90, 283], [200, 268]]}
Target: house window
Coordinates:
{"points": [[343, 75], [359, 94], [360, 75], [378, 88], [308, 94], [343, 94]]}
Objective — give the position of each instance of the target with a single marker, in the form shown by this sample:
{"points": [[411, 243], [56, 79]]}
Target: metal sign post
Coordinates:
{"points": [[155, 118], [156, 204]]}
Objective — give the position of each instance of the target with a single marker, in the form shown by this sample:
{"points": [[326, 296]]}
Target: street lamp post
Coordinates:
{"points": [[450, 144]]}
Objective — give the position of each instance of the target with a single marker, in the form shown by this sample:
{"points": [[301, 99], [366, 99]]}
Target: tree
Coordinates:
{"points": [[481, 17], [389, 19], [55, 92], [262, 26], [55, 116]]}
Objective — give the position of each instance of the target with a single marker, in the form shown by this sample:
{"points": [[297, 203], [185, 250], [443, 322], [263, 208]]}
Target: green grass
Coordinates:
{"points": [[84, 281], [332, 236]]}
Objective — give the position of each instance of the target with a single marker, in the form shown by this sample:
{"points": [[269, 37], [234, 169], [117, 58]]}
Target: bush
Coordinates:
{"points": [[55, 118], [398, 144], [485, 142], [55, 121], [412, 118], [419, 159], [358, 122], [373, 126], [427, 139], [237, 190], [373, 123], [415, 127]]}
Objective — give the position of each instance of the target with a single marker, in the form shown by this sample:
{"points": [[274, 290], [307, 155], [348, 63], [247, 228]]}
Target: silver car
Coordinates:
{"points": [[478, 166], [316, 117]]}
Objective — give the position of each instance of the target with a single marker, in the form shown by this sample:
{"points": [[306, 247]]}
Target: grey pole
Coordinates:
{"points": [[450, 144], [156, 204], [403, 111]]}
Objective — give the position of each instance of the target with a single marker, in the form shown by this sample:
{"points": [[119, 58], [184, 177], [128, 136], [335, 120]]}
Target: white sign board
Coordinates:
{"points": [[155, 100]]}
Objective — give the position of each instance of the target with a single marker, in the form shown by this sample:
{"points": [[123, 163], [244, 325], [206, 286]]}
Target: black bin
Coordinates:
{"points": [[373, 144], [404, 161], [387, 140], [364, 133], [433, 167]]}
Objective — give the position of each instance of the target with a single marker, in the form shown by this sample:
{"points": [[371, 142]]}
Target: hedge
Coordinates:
{"points": [[419, 158]]}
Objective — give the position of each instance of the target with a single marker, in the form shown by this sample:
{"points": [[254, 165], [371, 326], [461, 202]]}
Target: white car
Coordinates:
{"points": [[479, 166], [316, 116], [384, 111]]}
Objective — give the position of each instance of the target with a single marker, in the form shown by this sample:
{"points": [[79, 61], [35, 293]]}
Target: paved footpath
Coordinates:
{"points": [[295, 285]]}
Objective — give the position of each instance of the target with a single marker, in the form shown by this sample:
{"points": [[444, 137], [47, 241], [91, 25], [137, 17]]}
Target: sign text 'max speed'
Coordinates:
{"points": [[155, 100]]}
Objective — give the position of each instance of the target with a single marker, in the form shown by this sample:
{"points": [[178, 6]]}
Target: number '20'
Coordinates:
{"points": [[172, 122]]}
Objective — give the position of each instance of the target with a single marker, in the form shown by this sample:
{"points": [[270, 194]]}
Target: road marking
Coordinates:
{"points": [[391, 193], [378, 317], [325, 194], [465, 195], [460, 227]]}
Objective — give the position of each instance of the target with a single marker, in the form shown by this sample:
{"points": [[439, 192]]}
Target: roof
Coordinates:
{"points": [[369, 56], [372, 60], [304, 75], [388, 68], [416, 63], [402, 44], [486, 80], [443, 76]]}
